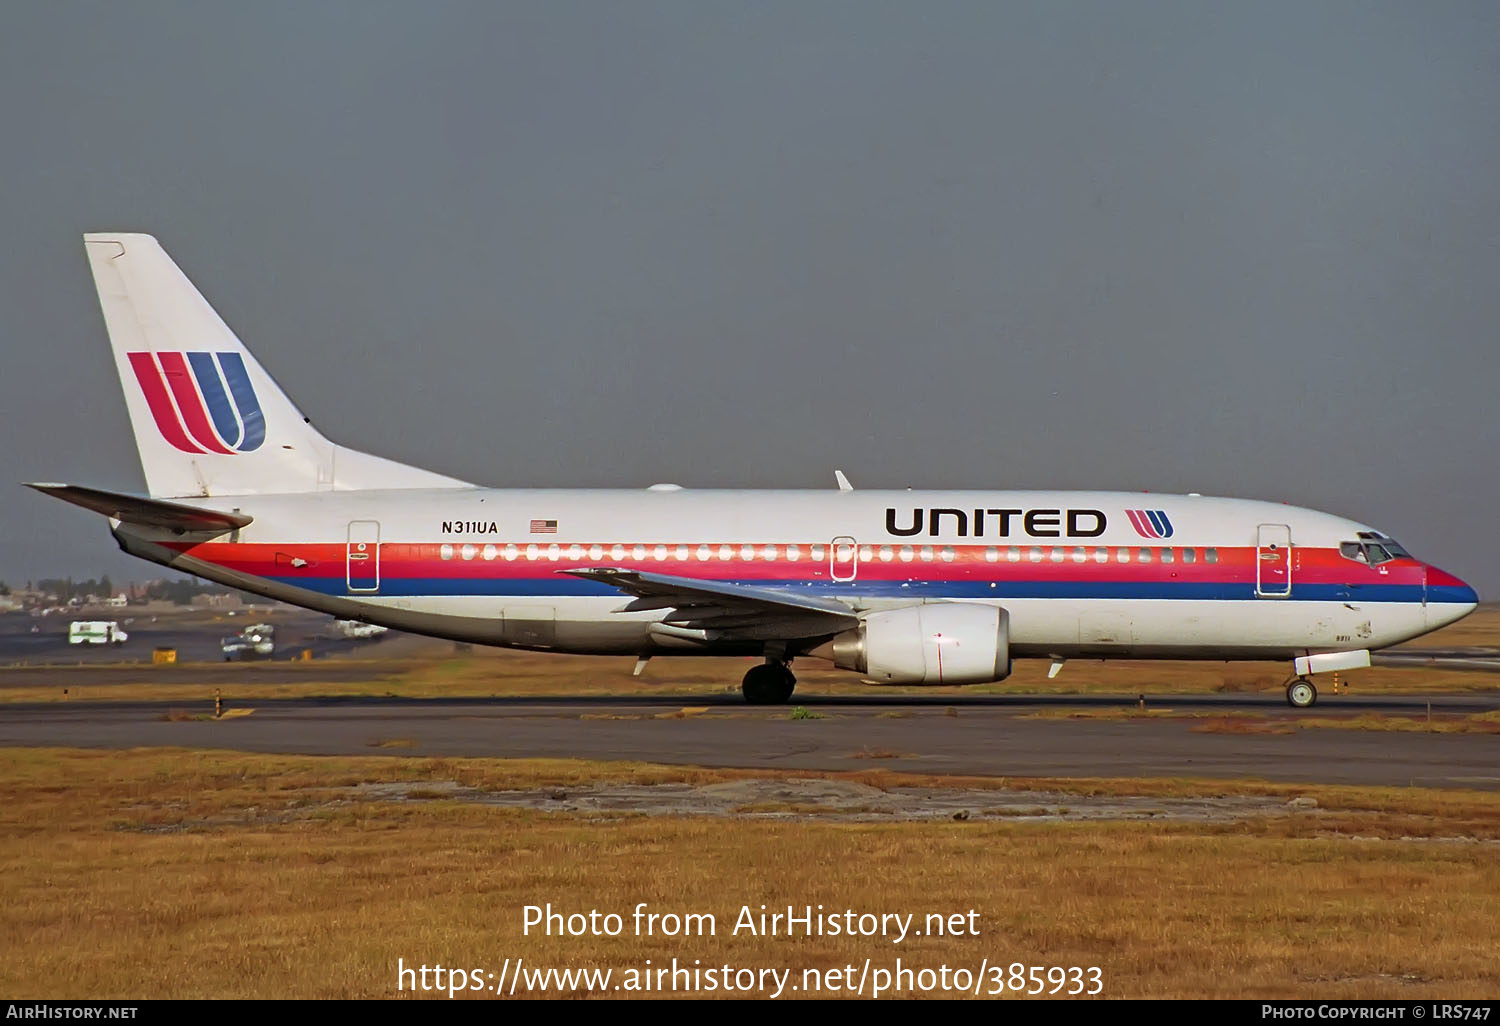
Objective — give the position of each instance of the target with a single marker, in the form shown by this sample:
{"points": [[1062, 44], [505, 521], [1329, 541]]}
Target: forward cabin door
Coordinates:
{"points": [[1273, 561], [363, 556], [843, 558]]}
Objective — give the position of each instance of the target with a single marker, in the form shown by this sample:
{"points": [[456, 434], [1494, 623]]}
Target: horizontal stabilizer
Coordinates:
{"points": [[133, 509]]}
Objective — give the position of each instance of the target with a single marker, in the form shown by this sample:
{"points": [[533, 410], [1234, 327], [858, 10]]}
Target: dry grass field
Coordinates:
{"points": [[164, 873]]}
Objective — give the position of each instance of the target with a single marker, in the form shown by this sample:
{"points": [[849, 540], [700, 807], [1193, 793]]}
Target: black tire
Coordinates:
{"points": [[1300, 694], [767, 684], [785, 685]]}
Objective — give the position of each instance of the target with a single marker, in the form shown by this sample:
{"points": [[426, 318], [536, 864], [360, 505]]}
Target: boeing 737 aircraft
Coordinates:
{"points": [[903, 587]]}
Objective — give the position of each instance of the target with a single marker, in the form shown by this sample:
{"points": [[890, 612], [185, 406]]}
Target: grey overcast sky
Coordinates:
{"points": [[1242, 249]]}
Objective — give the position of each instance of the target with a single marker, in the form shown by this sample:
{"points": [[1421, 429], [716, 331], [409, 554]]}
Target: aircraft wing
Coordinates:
{"points": [[733, 610], [135, 509]]}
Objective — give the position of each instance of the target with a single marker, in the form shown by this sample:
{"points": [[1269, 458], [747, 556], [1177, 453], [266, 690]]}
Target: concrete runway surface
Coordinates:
{"points": [[984, 735]]}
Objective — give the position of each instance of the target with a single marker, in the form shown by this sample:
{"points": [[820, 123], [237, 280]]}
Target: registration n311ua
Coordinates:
{"points": [[901, 587]]}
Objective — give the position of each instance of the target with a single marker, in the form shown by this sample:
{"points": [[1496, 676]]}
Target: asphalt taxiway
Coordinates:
{"points": [[1012, 736]]}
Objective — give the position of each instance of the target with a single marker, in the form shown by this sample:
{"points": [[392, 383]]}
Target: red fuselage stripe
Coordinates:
{"points": [[969, 563]]}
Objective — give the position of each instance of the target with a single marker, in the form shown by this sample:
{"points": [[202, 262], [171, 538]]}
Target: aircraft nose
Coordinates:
{"points": [[1449, 594]]}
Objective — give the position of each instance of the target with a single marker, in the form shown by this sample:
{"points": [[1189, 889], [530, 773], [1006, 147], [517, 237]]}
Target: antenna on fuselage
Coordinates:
{"points": [[844, 485]]}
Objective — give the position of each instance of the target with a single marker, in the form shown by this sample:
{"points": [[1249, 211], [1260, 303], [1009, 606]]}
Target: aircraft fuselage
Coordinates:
{"points": [[1092, 574]]}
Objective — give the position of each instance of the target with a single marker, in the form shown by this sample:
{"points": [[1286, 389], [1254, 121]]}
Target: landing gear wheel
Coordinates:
{"points": [[787, 685], [1300, 693], [768, 684]]}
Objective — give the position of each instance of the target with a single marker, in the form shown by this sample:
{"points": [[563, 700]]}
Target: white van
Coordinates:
{"points": [[96, 632], [358, 629]]}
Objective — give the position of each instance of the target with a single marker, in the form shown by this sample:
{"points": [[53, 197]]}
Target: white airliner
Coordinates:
{"points": [[903, 587]]}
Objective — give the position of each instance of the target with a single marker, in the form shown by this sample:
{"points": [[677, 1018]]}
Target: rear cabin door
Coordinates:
{"points": [[363, 556], [1273, 561]]}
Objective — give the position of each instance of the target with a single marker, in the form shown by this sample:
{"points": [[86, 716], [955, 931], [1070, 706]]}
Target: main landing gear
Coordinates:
{"points": [[1300, 693], [770, 683]]}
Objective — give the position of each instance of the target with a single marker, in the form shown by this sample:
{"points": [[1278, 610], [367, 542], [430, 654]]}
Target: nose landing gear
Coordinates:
{"points": [[1300, 693]]}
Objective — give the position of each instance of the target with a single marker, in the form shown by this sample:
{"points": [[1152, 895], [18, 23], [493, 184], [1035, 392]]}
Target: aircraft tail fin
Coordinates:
{"points": [[208, 419]]}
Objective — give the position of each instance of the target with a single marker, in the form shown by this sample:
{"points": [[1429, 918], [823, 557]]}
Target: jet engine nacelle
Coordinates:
{"points": [[940, 643]]}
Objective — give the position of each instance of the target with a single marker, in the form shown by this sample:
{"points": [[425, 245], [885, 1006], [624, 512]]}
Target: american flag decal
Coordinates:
{"points": [[544, 527]]}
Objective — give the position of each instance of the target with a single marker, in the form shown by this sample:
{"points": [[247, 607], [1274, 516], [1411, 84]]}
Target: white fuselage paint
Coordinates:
{"points": [[521, 600]]}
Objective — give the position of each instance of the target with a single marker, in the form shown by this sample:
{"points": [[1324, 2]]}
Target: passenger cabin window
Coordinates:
{"points": [[1166, 555], [1210, 555], [1189, 555]]}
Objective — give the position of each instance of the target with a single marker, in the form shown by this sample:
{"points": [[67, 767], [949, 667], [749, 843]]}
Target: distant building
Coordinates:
{"points": [[225, 600]]}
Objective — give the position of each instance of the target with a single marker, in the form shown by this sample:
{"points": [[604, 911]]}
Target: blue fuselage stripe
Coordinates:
{"points": [[1199, 591]]}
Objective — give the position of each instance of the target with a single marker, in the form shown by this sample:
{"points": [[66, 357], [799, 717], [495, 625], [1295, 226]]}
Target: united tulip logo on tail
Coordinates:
{"points": [[202, 402], [1150, 523]]}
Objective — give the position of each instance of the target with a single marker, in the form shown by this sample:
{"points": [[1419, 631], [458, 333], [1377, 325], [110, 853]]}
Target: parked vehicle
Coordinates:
{"points": [[96, 632], [358, 629], [257, 641]]}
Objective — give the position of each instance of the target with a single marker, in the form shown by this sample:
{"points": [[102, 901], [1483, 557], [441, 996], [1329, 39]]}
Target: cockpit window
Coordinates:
{"points": [[1373, 548]]}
